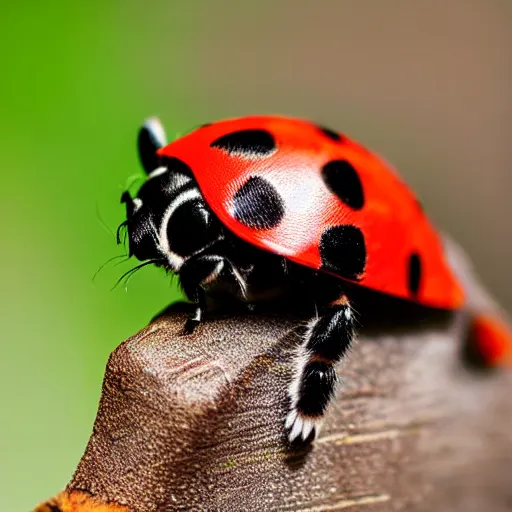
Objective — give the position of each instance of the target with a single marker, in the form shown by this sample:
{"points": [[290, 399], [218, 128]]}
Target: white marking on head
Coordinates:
{"points": [[137, 203], [176, 180], [157, 172]]}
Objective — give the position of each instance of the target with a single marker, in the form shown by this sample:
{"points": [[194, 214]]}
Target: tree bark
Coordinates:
{"points": [[196, 422]]}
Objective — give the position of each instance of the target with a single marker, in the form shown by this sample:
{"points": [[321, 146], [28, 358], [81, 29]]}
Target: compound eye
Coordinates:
{"points": [[191, 228]]}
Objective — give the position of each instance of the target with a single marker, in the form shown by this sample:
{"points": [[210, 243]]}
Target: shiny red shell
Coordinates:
{"points": [[392, 220]]}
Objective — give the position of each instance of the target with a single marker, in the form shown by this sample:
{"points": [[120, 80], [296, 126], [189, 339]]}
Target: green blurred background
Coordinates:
{"points": [[425, 83]]}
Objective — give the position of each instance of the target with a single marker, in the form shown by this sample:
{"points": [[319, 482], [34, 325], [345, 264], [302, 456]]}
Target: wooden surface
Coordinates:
{"points": [[196, 423]]}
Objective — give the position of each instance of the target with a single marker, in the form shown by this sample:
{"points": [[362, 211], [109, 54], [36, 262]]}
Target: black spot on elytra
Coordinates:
{"points": [[258, 205], [414, 273], [342, 180], [246, 143], [343, 251], [331, 134]]}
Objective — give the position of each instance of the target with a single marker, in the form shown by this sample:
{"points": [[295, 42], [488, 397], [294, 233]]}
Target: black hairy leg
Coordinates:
{"points": [[327, 340], [198, 273]]}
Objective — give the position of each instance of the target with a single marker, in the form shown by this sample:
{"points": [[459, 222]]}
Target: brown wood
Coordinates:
{"points": [[196, 423]]}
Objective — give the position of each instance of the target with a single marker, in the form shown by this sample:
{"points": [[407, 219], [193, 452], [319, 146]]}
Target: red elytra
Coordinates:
{"points": [[391, 219]]}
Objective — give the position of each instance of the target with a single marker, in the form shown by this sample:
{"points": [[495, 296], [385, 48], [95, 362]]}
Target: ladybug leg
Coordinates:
{"points": [[327, 340], [196, 274]]}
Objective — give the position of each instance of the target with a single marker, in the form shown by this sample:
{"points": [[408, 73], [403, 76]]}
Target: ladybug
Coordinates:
{"points": [[264, 207]]}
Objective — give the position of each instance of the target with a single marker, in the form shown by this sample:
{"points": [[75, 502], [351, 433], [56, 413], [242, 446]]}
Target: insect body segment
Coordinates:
{"points": [[263, 207], [284, 186]]}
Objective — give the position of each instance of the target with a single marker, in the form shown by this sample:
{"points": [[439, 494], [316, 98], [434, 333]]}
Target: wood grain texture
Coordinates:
{"points": [[196, 422]]}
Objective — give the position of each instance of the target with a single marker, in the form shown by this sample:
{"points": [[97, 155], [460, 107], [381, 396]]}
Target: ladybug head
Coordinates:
{"points": [[142, 238], [168, 221]]}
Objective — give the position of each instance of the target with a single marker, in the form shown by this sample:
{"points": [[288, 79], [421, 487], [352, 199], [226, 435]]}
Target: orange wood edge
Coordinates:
{"points": [[78, 502]]}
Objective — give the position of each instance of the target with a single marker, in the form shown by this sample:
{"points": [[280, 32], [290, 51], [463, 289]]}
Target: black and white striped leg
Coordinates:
{"points": [[328, 339], [196, 273]]}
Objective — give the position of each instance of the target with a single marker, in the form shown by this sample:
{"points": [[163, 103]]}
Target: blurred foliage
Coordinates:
{"points": [[72, 97]]}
